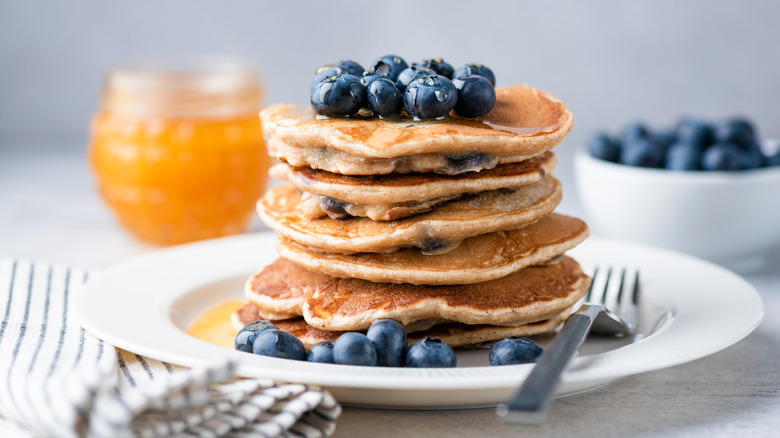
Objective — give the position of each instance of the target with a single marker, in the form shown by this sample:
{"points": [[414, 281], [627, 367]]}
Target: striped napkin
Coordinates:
{"points": [[56, 380]]}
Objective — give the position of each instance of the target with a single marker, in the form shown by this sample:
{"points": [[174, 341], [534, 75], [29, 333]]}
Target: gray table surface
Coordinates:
{"points": [[50, 212]]}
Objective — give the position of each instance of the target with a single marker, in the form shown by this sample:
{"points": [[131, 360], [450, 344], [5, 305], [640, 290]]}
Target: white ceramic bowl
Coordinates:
{"points": [[731, 218]]}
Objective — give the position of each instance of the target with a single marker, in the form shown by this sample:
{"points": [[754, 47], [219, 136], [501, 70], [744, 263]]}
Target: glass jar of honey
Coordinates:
{"points": [[177, 147]]}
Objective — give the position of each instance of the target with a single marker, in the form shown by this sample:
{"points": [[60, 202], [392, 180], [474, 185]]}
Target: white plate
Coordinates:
{"points": [[690, 309]]}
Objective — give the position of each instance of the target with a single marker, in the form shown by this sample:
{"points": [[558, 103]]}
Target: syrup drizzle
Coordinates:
{"points": [[306, 115]]}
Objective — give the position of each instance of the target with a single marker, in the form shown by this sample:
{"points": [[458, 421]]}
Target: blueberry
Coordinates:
{"points": [[390, 65], [438, 65], [333, 208], [665, 138], [737, 131], [430, 353], [696, 132], [683, 155], [353, 348], [321, 352], [430, 97], [642, 152], [384, 98], [753, 157], [278, 343], [465, 163], [634, 131], [721, 156], [367, 78], [411, 73], [476, 69], [246, 336], [434, 245], [601, 146], [342, 67], [514, 350], [322, 73], [389, 338], [351, 68], [476, 97], [774, 160], [340, 95], [326, 70]]}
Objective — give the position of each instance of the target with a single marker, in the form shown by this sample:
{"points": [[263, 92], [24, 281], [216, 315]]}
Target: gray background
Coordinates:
{"points": [[611, 62]]}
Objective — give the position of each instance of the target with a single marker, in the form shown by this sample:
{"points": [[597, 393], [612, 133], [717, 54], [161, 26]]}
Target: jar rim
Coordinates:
{"points": [[198, 85], [202, 72]]}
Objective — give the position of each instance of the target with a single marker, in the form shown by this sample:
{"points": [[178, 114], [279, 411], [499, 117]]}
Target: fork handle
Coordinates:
{"points": [[529, 405]]}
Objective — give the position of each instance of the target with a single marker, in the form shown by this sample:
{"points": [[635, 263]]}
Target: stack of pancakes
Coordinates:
{"points": [[445, 226]]}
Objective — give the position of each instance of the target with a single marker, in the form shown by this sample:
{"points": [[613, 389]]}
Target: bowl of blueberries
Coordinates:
{"points": [[704, 188]]}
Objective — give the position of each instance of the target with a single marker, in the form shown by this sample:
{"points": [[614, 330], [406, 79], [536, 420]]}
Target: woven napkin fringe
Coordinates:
{"points": [[56, 380]]}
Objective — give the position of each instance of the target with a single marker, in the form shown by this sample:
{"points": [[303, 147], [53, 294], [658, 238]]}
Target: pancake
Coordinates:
{"points": [[454, 334], [395, 196], [523, 123], [476, 259], [532, 294], [337, 161], [316, 206], [398, 188], [435, 232]]}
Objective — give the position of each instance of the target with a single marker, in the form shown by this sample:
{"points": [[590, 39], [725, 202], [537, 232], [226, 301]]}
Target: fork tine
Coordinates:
{"points": [[612, 291], [592, 282], [603, 298], [630, 306], [620, 292]]}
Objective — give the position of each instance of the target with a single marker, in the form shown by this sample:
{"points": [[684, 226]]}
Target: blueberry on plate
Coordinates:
{"points": [[430, 97], [246, 336], [353, 348], [430, 353], [341, 95], [411, 73], [384, 98], [601, 146], [390, 341], [514, 350], [642, 152], [278, 343], [695, 131], [737, 131], [390, 65], [321, 352], [476, 97], [438, 65], [476, 69], [721, 156], [683, 155]]}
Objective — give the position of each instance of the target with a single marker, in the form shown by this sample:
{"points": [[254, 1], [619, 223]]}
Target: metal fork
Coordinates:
{"points": [[609, 311]]}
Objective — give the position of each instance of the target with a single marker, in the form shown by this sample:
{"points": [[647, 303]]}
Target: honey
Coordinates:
{"points": [[214, 326], [178, 151]]}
